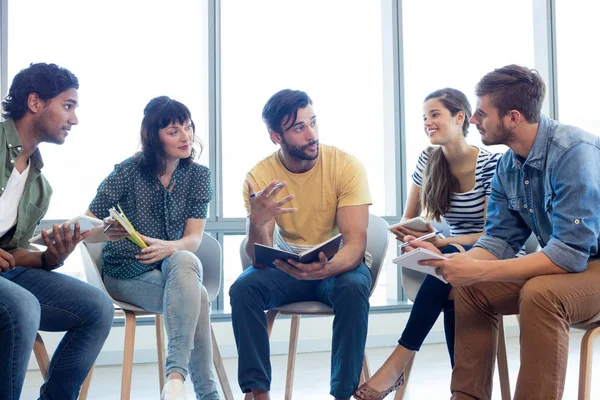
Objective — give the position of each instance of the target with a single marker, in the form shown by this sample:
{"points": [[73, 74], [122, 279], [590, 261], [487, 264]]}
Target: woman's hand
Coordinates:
{"points": [[401, 232], [157, 250], [113, 230]]}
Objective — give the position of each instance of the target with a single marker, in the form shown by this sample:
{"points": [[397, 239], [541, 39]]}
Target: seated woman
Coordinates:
{"points": [[451, 181], [165, 196]]}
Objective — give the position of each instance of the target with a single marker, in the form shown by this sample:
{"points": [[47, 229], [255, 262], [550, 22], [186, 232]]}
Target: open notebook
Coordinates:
{"points": [[411, 260], [265, 255]]}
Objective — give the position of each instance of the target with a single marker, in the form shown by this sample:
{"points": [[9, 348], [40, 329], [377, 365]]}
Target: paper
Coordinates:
{"points": [[411, 260]]}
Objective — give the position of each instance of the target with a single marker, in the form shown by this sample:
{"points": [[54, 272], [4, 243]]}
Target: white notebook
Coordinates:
{"points": [[411, 260]]}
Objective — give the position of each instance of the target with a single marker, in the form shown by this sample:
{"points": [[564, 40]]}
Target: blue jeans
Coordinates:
{"points": [[256, 290], [177, 291], [33, 299], [431, 299]]}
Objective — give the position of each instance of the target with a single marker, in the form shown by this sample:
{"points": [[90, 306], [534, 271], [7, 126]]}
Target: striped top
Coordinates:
{"points": [[467, 210]]}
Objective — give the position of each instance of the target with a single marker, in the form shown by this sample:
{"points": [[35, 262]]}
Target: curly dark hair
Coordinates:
{"points": [[46, 80], [282, 108], [159, 113]]}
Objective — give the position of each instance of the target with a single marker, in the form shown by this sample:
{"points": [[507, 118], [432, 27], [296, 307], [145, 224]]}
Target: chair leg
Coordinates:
{"points": [[160, 348], [41, 355], [86, 385], [219, 368], [366, 371], [271, 315], [585, 363], [289, 380], [503, 362], [400, 392], [128, 354]]}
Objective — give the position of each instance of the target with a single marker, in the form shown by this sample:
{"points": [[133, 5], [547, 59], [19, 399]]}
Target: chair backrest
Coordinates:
{"points": [[209, 253], [377, 243]]}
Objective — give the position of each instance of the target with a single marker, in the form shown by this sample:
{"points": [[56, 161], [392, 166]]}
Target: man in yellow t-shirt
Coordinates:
{"points": [[300, 196]]}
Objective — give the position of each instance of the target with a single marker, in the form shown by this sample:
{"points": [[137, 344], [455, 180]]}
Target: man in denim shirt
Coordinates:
{"points": [[548, 183]]}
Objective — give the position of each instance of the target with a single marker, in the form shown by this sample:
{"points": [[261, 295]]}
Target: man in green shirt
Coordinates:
{"points": [[40, 107]]}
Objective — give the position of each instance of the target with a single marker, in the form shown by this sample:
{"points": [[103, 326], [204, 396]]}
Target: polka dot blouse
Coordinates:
{"points": [[151, 208]]}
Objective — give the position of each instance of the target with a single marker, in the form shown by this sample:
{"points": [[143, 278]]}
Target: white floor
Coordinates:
{"points": [[429, 379]]}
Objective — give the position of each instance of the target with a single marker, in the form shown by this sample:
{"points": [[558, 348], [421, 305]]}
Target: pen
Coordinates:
{"points": [[280, 184], [107, 228], [429, 235]]}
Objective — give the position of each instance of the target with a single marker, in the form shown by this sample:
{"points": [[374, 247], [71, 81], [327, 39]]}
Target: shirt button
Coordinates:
{"points": [[526, 182], [19, 148], [9, 145], [531, 211], [524, 205], [12, 161], [539, 238], [577, 221]]}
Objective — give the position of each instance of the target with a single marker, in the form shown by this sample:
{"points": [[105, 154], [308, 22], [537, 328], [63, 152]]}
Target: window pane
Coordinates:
{"points": [[578, 85], [272, 45], [124, 53], [453, 44]]}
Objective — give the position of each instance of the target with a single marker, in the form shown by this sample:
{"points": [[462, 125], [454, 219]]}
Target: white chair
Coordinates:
{"points": [[377, 241], [210, 255]]}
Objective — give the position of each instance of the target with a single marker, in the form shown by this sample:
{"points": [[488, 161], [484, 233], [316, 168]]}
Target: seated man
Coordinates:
{"points": [[548, 183], [327, 191], [40, 107]]}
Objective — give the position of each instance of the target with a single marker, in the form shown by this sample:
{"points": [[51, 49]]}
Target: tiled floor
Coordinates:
{"points": [[429, 379]]}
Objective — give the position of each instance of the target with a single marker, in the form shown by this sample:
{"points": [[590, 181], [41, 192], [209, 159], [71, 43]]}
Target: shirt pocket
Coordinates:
{"points": [[325, 218], [34, 215]]}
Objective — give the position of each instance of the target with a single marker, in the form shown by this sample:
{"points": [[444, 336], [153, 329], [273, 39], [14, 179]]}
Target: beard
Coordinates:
{"points": [[501, 135], [299, 152]]}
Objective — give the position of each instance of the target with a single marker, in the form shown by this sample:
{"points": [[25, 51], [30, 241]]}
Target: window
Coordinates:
{"points": [[578, 83], [124, 53], [453, 44], [330, 49]]}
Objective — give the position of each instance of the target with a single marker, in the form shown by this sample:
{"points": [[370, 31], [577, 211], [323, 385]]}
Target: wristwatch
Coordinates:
{"points": [[49, 267]]}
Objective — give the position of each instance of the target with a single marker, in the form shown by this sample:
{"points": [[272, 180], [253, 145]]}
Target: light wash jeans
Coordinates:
{"points": [[177, 291], [32, 299]]}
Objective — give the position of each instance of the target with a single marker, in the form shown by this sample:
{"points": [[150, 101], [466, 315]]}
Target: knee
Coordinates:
{"points": [[101, 309], [23, 313], [352, 291], [184, 262], [243, 287], [536, 295]]}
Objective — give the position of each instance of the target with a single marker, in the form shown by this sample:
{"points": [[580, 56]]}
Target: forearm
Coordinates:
{"points": [[347, 258], [27, 258], [257, 234], [189, 243], [522, 268], [463, 240]]}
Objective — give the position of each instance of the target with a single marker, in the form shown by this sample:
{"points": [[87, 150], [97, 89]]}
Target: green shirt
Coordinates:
{"points": [[36, 195]]}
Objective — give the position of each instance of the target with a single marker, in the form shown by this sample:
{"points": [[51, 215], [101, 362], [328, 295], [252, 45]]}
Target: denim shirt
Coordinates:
{"points": [[555, 193]]}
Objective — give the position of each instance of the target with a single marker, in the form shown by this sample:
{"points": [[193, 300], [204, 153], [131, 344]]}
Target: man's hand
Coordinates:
{"points": [[57, 252], [7, 262], [459, 269], [113, 230], [314, 271], [156, 251], [264, 207]]}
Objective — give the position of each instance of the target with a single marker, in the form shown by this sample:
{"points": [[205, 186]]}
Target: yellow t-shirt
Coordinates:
{"points": [[337, 180]]}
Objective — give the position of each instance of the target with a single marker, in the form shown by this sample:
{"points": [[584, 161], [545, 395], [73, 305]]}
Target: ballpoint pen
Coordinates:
{"points": [[429, 235], [280, 184]]}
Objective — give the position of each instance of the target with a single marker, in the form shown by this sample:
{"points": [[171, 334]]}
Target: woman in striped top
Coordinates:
{"points": [[451, 181]]}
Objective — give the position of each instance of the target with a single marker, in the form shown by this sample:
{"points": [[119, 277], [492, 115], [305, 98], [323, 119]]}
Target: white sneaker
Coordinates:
{"points": [[173, 390]]}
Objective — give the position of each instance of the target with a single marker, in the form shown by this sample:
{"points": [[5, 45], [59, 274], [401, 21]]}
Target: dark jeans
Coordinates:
{"points": [[33, 299], [256, 290], [431, 299]]}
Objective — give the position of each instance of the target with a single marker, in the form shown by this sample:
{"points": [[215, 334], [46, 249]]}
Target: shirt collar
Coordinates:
{"points": [[13, 143], [537, 155]]}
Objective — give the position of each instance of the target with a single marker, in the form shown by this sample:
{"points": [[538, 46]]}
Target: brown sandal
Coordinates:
{"points": [[371, 394]]}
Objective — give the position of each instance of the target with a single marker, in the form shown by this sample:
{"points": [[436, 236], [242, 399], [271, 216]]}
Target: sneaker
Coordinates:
{"points": [[173, 390]]}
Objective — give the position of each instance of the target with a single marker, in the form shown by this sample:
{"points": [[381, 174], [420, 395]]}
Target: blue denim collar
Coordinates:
{"points": [[537, 155]]}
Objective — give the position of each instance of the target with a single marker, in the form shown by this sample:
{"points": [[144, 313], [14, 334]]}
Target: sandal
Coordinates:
{"points": [[371, 394]]}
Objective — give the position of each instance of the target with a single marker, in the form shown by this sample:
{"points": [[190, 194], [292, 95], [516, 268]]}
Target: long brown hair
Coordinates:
{"points": [[438, 182]]}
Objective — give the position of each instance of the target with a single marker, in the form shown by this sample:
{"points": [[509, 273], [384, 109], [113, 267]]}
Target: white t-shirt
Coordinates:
{"points": [[9, 200]]}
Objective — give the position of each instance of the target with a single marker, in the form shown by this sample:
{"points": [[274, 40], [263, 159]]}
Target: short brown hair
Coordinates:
{"points": [[514, 88]]}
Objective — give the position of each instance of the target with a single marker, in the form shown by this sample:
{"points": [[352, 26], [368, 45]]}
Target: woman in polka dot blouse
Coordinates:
{"points": [[165, 196]]}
